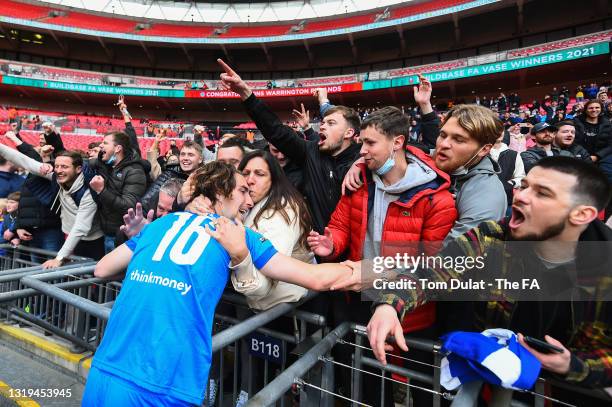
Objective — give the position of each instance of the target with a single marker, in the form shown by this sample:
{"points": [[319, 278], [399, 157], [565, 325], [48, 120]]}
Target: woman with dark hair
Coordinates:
{"points": [[594, 133], [279, 214]]}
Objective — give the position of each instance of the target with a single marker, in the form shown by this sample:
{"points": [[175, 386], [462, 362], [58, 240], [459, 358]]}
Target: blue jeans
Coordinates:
{"points": [[109, 243], [46, 239]]}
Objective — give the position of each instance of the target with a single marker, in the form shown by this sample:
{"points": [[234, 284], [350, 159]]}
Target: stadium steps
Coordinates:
{"points": [[19, 371], [30, 360]]}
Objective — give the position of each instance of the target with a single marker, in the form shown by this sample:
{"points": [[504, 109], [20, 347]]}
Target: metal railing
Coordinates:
{"points": [[25, 304], [320, 354], [71, 303], [17, 257], [234, 341], [295, 379]]}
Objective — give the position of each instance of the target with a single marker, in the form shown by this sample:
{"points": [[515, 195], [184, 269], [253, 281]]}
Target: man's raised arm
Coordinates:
{"points": [[430, 123], [25, 162], [282, 137], [129, 127]]}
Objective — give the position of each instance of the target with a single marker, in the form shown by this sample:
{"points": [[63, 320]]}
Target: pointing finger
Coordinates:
{"points": [[226, 67]]}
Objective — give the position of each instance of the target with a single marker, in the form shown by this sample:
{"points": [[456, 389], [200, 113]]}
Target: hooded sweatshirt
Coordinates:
{"points": [[79, 222], [417, 174], [480, 196]]}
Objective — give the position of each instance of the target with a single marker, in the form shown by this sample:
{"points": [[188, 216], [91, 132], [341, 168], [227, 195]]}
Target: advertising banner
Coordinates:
{"points": [[271, 93], [458, 73]]}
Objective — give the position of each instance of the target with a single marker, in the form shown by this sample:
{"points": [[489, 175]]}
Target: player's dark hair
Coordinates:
{"points": [[214, 179]]}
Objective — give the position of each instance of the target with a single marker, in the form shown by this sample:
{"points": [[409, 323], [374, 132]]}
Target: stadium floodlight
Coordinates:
{"points": [[57, 13], [298, 27], [222, 30], [217, 12], [382, 16]]}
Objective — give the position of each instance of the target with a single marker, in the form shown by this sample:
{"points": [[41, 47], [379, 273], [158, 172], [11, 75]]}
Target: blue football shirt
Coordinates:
{"points": [[159, 335]]}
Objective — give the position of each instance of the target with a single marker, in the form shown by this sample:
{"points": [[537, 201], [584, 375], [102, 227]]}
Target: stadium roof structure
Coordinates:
{"points": [[229, 12], [59, 16]]}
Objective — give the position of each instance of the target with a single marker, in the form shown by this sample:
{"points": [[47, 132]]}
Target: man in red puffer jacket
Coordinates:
{"points": [[404, 198]]}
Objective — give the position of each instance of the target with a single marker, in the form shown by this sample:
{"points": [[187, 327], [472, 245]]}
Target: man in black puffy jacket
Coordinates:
{"points": [[120, 183]]}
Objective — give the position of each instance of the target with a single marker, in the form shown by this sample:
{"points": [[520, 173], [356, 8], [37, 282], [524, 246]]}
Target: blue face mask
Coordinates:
{"points": [[111, 160], [387, 166], [464, 169]]}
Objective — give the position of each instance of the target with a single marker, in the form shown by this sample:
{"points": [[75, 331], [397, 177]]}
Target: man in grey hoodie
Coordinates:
{"points": [[462, 151], [67, 185]]}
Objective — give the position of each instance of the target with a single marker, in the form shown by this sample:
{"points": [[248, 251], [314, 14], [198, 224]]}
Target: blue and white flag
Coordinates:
{"points": [[495, 356]]}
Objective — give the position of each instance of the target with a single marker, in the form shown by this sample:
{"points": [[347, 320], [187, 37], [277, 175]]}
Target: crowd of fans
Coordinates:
{"points": [[485, 172]]}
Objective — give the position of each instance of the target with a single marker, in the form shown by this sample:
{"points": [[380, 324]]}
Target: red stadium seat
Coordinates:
{"points": [[178, 30], [124, 25], [26, 11]]}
